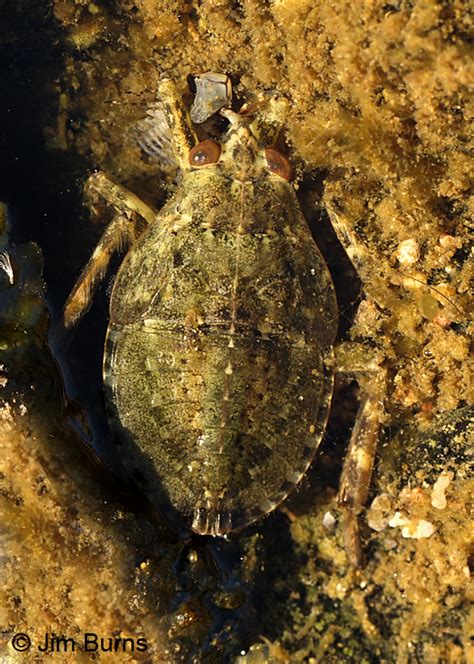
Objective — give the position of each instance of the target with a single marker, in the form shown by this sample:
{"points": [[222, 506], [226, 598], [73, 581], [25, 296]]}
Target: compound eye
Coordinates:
{"points": [[204, 153], [278, 163]]}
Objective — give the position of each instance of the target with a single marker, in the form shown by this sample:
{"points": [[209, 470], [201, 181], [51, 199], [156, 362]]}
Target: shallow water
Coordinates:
{"points": [[286, 578]]}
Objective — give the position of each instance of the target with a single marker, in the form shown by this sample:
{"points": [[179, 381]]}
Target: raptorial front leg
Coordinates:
{"points": [[183, 135], [132, 213], [132, 217], [269, 122], [359, 462]]}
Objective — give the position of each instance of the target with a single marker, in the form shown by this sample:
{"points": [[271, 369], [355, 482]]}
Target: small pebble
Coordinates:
{"points": [[213, 92], [408, 252], [378, 514], [438, 499], [329, 521], [412, 528]]}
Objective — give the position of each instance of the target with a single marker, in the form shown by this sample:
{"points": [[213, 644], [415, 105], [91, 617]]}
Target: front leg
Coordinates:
{"points": [[132, 213], [183, 135], [126, 226]]}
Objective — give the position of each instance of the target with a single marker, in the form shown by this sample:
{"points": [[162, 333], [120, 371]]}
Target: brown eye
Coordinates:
{"points": [[278, 163], [204, 153]]}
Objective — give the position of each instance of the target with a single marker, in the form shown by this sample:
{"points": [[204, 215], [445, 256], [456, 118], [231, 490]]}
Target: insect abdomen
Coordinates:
{"points": [[225, 432]]}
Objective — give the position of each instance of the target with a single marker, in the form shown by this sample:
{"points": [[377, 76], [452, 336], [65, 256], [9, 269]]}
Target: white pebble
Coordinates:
{"points": [[408, 252], [412, 528], [329, 521], [378, 514], [418, 530], [438, 499]]}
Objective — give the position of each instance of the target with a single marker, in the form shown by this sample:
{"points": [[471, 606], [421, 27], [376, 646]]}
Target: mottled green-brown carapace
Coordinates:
{"points": [[218, 362]]}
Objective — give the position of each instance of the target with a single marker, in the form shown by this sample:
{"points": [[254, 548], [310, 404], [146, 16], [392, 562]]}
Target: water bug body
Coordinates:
{"points": [[218, 362], [218, 354]]}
